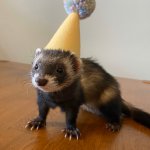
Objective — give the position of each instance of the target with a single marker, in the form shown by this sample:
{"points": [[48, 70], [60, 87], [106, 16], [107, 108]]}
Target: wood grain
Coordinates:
{"points": [[18, 106]]}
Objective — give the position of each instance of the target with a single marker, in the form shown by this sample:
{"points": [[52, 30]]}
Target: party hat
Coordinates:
{"points": [[67, 37]]}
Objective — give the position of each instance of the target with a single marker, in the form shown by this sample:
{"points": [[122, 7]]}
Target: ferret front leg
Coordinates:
{"points": [[71, 130], [39, 121]]}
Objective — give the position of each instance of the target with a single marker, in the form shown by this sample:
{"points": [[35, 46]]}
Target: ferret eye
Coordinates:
{"points": [[59, 70], [36, 67]]}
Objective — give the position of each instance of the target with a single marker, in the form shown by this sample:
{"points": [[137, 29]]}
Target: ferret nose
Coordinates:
{"points": [[41, 82]]}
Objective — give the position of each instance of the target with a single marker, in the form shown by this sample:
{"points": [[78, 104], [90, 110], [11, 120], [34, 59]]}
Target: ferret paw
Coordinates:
{"points": [[71, 133], [114, 127], [36, 124]]}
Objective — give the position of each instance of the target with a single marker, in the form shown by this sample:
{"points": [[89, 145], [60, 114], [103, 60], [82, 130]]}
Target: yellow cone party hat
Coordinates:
{"points": [[67, 36]]}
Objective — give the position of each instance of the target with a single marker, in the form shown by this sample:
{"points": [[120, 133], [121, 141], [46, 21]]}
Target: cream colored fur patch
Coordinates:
{"points": [[108, 94]]}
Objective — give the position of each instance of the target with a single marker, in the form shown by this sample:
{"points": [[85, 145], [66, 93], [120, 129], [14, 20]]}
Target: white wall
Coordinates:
{"points": [[117, 34], [26, 25]]}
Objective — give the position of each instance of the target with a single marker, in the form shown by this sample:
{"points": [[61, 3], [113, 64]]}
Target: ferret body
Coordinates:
{"points": [[63, 80]]}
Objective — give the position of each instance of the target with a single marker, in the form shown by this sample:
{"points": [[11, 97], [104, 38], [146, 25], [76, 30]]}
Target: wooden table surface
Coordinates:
{"points": [[18, 106]]}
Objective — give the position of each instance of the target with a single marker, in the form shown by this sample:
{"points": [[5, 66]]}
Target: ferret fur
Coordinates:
{"points": [[63, 80]]}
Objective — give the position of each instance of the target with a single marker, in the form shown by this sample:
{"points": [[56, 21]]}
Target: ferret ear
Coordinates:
{"points": [[38, 51], [76, 64]]}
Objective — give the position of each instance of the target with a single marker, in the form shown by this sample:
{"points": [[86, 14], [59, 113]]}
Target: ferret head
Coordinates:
{"points": [[54, 70]]}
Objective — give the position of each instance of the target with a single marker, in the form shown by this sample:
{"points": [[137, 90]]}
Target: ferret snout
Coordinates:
{"points": [[41, 82]]}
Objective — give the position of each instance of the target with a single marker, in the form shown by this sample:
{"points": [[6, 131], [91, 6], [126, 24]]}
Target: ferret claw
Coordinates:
{"points": [[35, 124], [77, 135], [63, 130], [71, 133], [70, 137], [37, 128], [65, 135], [113, 127], [28, 122], [26, 126], [32, 128]]}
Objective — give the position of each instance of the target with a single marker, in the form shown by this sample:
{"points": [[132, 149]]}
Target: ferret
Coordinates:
{"points": [[64, 80]]}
